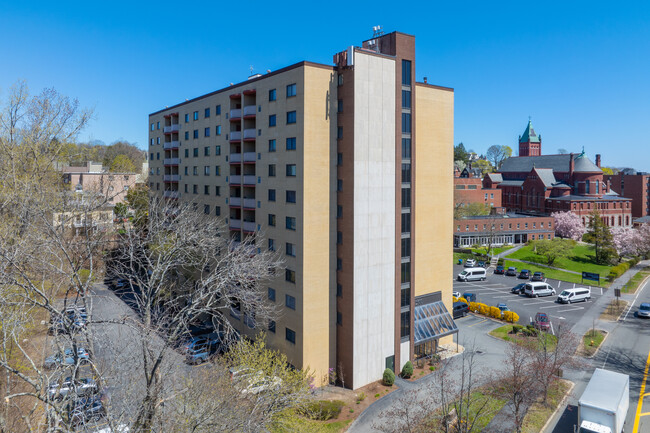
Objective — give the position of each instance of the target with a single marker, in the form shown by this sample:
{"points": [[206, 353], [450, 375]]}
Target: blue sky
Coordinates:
{"points": [[580, 69]]}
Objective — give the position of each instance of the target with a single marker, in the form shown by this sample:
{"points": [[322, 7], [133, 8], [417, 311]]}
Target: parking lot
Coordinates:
{"points": [[496, 289]]}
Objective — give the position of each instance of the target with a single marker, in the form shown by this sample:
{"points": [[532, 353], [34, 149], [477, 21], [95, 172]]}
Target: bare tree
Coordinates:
{"points": [[550, 358], [409, 413]]}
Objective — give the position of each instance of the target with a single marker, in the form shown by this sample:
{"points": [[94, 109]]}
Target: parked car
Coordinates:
{"points": [[200, 353], [460, 309], [254, 382], [500, 270], [86, 409], [481, 264], [578, 294], [211, 339], [503, 307], [470, 297], [472, 274], [524, 274], [455, 294], [511, 271], [518, 289], [470, 263], [542, 322], [81, 387], [71, 320], [535, 290], [66, 358], [644, 310], [537, 276]]}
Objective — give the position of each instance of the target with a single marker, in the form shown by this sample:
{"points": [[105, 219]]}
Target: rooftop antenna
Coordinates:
{"points": [[377, 31], [251, 68]]}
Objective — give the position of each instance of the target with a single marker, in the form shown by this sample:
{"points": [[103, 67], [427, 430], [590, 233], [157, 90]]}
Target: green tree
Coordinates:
{"points": [[137, 198], [460, 154], [471, 209], [123, 148], [484, 165], [122, 164], [553, 249], [120, 210], [599, 235]]}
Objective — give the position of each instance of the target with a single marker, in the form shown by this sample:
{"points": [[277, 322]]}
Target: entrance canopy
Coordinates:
{"points": [[432, 321]]}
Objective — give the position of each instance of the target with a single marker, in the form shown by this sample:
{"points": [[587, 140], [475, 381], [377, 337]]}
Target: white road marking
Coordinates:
{"points": [[552, 330], [571, 309]]}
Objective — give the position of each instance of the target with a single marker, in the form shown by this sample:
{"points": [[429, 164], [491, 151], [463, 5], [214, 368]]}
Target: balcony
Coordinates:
{"points": [[249, 111], [171, 178], [250, 179], [171, 144], [235, 96], [171, 194], [234, 179], [172, 128], [250, 134], [235, 224], [249, 203], [171, 161], [235, 201], [235, 136], [249, 92], [249, 226], [235, 114], [245, 248], [236, 158]]}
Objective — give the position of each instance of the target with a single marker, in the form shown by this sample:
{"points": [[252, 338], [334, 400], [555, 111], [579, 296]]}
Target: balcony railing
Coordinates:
{"points": [[246, 248], [235, 113], [250, 110], [249, 179], [172, 128], [250, 134], [248, 157], [172, 144], [235, 224], [249, 226], [234, 179], [171, 178], [171, 194], [171, 161], [235, 201], [249, 203], [235, 135]]}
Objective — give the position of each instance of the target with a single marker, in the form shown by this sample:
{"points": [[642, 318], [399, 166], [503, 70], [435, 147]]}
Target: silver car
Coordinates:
{"points": [[644, 310], [80, 387], [66, 358]]}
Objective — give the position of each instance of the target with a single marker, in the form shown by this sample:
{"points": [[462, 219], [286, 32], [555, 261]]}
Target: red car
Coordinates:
{"points": [[542, 322]]}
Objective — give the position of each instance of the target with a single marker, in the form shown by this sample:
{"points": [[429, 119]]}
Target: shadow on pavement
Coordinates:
{"points": [[568, 419]]}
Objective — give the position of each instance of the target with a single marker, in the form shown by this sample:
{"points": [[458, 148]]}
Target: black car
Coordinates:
{"points": [[518, 289], [460, 309], [524, 274], [511, 272], [500, 270], [86, 409], [71, 320], [537, 276]]}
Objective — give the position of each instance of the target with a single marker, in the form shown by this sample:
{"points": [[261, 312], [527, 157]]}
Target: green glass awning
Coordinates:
{"points": [[431, 322]]}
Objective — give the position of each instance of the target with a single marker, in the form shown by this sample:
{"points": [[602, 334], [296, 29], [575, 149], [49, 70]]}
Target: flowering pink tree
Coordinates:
{"points": [[644, 239], [568, 225], [627, 241]]}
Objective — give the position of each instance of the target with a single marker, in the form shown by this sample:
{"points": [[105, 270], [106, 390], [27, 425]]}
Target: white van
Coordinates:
{"points": [[472, 274], [574, 295], [535, 290]]}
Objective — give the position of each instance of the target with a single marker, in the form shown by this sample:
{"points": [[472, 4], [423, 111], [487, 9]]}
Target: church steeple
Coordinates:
{"points": [[530, 144]]}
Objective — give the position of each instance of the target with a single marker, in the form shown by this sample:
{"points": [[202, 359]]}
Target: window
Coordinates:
{"points": [[157, 125], [206, 151], [339, 290], [217, 170], [271, 195], [339, 211], [271, 244], [290, 335], [151, 142], [406, 173], [406, 147], [206, 190], [291, 196], [186, 187], [340, 106], [187, 135], [291, 223], [340, 80], [271, 294], [151, 157], [406, 197], [339, 133], [339, 184], [406, 247], [195, 189], [196, 115], [272, 326], [195, 170], [158, 140], [405, 324], [272, 121], [207, 113], [291, 143], [406, 99], [218, 110], [271, 145], [272, 95], [271, 170], [339, 159], [217, 150], [406, 123], [290, 301], [339, 318], [217, 190], [291, 117], [406, 272], [405, 297], [339, 264], [152, 128], [217, 210], [206, 209], [290, 275], [339, 238], [187, 117], [206, 132], [272, 220], [195, 133], [291, 170], [291, 90], [406, 223], [217, 129], [406, 72]]}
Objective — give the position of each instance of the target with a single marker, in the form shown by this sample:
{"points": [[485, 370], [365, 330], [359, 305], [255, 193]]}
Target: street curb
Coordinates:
{"points": [[602, 343], [640, 284], [561, 405]]}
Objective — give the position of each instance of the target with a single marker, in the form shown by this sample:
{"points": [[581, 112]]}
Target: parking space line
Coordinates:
{"points": [[571, 309], [478, 323]]}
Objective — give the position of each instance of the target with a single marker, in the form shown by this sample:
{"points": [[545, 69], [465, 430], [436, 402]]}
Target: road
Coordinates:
{"points": [[496, 289]]}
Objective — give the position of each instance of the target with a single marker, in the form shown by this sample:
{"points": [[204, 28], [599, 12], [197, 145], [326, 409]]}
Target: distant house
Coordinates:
{"points": [[93, 179]]}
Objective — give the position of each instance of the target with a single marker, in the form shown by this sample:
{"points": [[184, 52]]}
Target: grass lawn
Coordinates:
{"points": [[296, 423], [556, 275], [580, 259], [479, 398], [539, 413], [636, 280], [494, 251], [591, 341], [503, 332]]}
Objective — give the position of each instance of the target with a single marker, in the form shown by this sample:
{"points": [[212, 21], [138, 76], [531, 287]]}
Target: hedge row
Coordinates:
{"points": [[621, 268], [486, 310]]}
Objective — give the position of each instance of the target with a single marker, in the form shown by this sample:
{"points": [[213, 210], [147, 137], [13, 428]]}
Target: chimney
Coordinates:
{"points": [[425, 80], [598, 160], [571, 164]]}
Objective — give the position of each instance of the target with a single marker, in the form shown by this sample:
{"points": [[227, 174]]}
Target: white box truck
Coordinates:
{"points": [[602, 408]]}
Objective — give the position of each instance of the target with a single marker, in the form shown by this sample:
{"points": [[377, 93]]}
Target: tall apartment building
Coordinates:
{"points": [[636, 186], [346, 169]]}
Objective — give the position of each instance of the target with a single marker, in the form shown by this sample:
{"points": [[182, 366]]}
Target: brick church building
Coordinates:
{"points": [[541, 184]]}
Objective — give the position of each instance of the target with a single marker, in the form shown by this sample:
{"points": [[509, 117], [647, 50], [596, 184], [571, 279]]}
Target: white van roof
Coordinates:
{"points": [[474, 269], [575, 289]]}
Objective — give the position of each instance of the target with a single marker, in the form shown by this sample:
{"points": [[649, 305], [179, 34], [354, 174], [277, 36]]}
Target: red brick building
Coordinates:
{"points": [[469, 189], [509, 228], [636, 186], [544, 184]]}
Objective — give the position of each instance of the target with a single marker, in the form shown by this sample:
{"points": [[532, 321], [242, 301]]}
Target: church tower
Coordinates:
{"points": [[530, 144]]}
